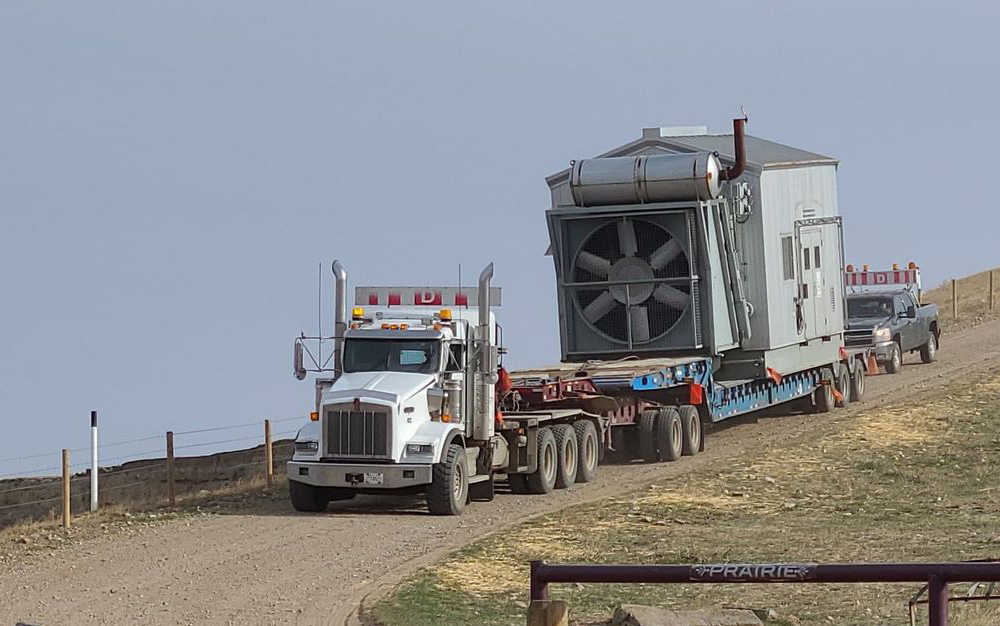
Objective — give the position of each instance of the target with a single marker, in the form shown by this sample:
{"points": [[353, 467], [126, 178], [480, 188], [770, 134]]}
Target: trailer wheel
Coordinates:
{"points": [[483, 491], [669, 434], [844, 386], [647, 435], [543, 480], [928, 353], [691, 427], [589, 449], [823, 394], [895, 362], [307, 498], [449, 488], [858, 382], [568, 453]]}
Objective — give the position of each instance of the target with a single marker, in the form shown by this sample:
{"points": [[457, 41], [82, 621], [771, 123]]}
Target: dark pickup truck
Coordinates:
{"points": [[893, 323]]}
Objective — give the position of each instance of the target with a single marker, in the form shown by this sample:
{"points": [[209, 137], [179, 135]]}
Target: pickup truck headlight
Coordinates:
{"points": [[307, 446], [883, 334]]}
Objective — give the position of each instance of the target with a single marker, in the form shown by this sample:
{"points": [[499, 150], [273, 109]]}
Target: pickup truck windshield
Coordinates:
{"points": [[874, 306], [385, 355]]}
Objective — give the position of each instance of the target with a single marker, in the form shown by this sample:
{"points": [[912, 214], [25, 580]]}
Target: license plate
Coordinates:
{"points": [[373, 478]]}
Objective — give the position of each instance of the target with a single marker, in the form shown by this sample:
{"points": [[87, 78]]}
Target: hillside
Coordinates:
{"points": [[973, 300]]}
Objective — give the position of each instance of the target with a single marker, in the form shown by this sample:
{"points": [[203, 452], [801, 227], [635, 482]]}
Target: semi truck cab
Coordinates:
{"points": [[409, 404]]}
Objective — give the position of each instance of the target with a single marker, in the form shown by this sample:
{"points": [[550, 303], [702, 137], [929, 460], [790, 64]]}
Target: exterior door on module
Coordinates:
{"points": [[812, 286]]}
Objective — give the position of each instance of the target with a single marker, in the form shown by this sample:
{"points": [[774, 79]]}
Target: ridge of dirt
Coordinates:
{"points": [[260, 563]]}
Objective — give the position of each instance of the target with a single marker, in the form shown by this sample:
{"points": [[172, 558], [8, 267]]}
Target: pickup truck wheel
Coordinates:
{"points": [[844, 385], [823, 394], [449, 488], [589, 449], [895, 362], [646, 426], [691, 427], [568, 453], [543, 480], [858, 382], [669, 434], [307, 498], [928, 353]]}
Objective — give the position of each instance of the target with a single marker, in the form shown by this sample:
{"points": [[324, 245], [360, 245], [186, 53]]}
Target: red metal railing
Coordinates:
{"points": [[936, 575]]}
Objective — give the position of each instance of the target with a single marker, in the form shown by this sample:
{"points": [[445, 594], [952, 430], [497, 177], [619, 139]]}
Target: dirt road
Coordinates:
{"points": [[278, 567]]}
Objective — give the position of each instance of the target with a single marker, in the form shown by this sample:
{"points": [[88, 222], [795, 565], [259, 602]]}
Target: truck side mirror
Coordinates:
{"points": [[297, 362], [911, 311]]}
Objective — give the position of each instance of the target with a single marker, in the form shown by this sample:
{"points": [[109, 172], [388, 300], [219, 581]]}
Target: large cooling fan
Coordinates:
{"points": [[632, 249]]}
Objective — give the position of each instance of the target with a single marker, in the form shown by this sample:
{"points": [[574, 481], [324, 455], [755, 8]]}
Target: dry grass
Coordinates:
{"points": [[973, 300], [899, 483]]}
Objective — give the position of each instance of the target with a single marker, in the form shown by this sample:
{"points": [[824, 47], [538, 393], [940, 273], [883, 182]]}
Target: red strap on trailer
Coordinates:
{"points": [[774, 375]]}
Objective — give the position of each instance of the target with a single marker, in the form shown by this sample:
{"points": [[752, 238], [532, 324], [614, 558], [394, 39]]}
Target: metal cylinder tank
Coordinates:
{"points": [[646, 179]]}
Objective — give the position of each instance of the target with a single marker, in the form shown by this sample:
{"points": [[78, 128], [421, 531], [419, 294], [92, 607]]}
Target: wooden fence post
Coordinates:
{"points": [[268, 452], [65, 489], [991, 289], [954, 298], [171, 496]]}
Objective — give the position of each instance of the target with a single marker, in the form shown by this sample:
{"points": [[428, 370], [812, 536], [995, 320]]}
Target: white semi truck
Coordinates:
{"points": [[410, 405]]}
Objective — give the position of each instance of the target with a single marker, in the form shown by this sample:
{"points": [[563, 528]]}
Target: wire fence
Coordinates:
{"points": [[148, 476]]}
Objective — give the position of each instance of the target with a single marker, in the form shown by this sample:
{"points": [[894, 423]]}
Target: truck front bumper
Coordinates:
{"points": [[372, 476], [883, 351]]}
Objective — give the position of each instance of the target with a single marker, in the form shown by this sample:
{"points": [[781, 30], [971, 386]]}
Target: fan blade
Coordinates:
{"points": [[671, 296], [665, 254], [639, 317], [626, 238], [599, 307], [594, 264]]}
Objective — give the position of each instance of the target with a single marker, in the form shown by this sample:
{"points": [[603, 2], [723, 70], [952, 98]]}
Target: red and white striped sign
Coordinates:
{"points": [[422, 296], [877, 279]]}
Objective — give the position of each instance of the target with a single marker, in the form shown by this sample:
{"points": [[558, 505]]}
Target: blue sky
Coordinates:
{"points": [[171, 173]]}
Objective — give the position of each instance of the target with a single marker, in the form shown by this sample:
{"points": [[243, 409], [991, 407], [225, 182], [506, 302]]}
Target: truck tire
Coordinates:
{"points": [[483, 491], [928, 352], [844, 385], [669, 434], [568, 455], [895, 362], [589, 450], [449, 488], [646, 434], [691, 427], [337, 494], [543, 479], [858, 382], [307, 498], [823, 400]]}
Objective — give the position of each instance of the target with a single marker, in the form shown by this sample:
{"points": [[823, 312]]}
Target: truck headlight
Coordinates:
{"points": [[306, 446], [883, 334], [420, 449]]}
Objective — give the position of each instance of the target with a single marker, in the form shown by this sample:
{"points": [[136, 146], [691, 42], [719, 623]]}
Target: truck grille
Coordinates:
{"points": [[357, 434], [859, 338]]}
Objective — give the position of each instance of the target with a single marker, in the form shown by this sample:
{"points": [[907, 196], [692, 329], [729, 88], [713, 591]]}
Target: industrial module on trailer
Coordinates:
{"points": [[699, 277]]}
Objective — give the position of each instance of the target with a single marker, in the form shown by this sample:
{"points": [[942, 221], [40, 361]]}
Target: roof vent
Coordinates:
{"points": [[673, 131]]}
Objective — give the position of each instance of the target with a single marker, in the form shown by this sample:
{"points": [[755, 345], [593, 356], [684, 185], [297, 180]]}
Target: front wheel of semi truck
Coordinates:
{"points": [[307, 498], [449, 488]]}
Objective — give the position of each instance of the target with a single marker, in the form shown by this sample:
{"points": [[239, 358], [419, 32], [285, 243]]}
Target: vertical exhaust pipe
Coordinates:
{"points": [[739, 146], [340, 317], [485, 374]]}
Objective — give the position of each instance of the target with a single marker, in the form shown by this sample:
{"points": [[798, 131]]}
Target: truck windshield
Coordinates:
{"points": [[875, 306], [383, 355]]}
